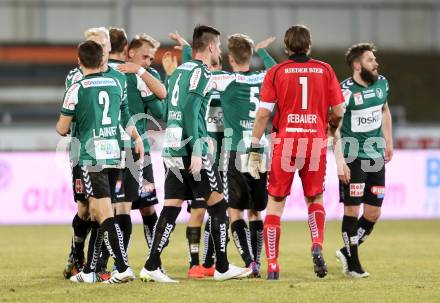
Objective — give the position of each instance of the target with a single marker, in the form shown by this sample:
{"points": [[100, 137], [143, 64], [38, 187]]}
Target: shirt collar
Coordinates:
{"points": [[299, 58]]}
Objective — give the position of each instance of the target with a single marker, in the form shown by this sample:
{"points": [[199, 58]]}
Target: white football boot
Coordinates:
{"points": [[343, 260], [121, 277], [234, 272], [155, 276], [82, 277]]}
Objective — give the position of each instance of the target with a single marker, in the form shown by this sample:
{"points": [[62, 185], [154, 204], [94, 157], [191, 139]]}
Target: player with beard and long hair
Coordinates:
{"points": [[367, 124]]}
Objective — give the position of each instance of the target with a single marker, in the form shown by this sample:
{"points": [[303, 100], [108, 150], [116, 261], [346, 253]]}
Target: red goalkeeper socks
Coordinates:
{"points": [[317, 223], [271, 233]]}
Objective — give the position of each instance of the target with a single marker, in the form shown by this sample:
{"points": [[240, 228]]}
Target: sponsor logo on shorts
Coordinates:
{"points": [[378, 191], [118, 186], [79, 189], [357, 189]]}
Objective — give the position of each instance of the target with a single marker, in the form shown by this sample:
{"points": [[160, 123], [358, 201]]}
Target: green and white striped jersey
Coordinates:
{"points": [[187, 101], [97, 104], [363, 117], [140, 100]]}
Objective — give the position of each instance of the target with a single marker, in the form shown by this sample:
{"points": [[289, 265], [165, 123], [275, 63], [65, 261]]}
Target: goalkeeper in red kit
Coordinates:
{"points": [[303, 90]]}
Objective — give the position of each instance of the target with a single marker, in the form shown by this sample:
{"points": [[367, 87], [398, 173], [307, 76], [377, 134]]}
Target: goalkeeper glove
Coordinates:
{"points": [[255, 164]]}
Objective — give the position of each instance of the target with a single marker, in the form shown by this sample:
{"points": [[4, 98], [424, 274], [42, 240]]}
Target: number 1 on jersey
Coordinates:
{"points": [[303, 81]]}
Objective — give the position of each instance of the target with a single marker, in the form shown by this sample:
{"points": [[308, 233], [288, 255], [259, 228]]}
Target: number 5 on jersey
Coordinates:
{"points": [[254, 99]]}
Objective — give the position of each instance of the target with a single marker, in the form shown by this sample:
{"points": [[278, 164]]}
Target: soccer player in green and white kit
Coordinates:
{"points": [[239, 101], [139, 192], [98, 105], [190, 172], [81, 223], [197, 208], [366, 125]]}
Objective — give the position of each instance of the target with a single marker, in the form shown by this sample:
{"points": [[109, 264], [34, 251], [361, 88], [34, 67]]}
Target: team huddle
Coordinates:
{"points": [[219, 153]]}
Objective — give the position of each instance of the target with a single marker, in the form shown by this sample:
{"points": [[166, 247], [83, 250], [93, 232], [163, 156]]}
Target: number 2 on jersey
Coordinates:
{"points": [[103, 98], [303, 81]]}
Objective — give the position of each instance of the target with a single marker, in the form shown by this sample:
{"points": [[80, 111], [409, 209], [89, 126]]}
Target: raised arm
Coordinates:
{"points": [[182, 45], [261, 51], [155, 85]]}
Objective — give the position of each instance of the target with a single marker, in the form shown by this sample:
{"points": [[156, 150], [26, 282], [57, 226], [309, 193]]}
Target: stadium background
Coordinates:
{"points": [[38, 45]]}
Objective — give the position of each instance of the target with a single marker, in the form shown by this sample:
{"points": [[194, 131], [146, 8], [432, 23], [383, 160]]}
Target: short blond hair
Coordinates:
{"points": [[95, 31], [241, 48], [140, 39]]}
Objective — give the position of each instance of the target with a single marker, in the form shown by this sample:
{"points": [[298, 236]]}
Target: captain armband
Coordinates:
{"points": [[266, 105]]}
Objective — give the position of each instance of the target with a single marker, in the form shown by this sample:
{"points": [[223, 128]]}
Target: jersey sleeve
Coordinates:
{"points": [[268, 61], [125, 113], [74, 76], [387, 87], [70, 100], [186, 53], [268, 92], [200, 82], [221, 80], [156, 108], [335, 93], [146, 93], [191, 122]]}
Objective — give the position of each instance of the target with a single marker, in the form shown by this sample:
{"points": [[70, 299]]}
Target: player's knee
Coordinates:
{"points": [[234, 214], [372, 214], [198, 213], [351, 211], [147, 211], [197, 217], [123, 208], [83, 211], [173, 202], [253, 215], [214, 198], [314, 199], [94, 211], [275, 206], [278, 198]]}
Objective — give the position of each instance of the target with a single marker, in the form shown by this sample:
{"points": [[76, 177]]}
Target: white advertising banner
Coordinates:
{"points": [[36, 188]]}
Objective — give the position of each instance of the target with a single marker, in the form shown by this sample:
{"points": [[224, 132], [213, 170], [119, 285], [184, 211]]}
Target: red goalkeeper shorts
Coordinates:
{"points": [[311, 172]]}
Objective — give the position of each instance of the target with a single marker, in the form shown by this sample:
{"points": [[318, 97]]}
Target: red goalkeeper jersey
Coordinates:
{"points": [[303, 89]]}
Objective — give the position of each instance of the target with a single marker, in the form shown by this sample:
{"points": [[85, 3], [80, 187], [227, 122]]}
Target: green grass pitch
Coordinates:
{"points": [[403, 258]]}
